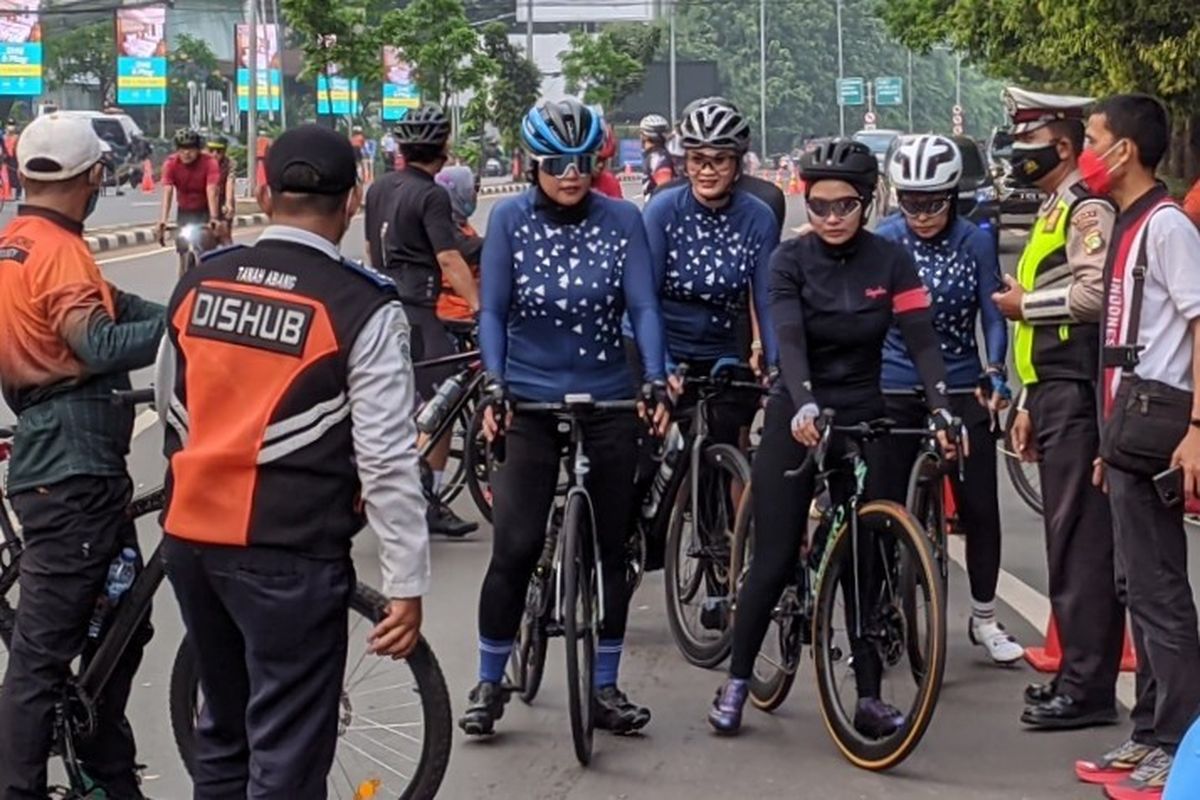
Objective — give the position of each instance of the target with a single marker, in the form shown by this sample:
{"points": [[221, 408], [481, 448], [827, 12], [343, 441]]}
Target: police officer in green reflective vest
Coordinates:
{"points": [[1056, 302]]}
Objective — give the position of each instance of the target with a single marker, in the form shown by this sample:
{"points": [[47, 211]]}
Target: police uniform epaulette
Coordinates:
{"points": [[211, 254], [370, 273]]}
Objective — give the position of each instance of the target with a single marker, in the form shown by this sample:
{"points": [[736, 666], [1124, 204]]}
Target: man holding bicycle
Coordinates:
{"points": [[192, 179], [283, 438], [68, 339]]}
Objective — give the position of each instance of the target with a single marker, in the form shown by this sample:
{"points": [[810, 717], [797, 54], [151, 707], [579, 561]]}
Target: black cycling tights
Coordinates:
{"points": [[524, 489], [977, 500], [780, 529]]}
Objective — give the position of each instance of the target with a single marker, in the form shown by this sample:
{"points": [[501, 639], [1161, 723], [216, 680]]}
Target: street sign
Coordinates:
{"points": [[957, 119], [957, 109], [852, 92], [958, 130], [889, 91], [870, 118]]}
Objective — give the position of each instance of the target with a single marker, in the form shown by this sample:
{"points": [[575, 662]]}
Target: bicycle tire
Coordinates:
{"points": [[455, 476], [183, 696], [475, 461], [528, 661], [1021, 474], [878, 754], [767, 692], [728, 462], [578, 595], [927, 505]]}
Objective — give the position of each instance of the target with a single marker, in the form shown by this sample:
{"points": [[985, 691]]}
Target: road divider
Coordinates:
{"points": [[107, 240]]}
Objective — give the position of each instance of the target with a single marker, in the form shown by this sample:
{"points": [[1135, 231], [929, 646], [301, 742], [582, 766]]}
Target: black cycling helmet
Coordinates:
{"points": [[188, 139], [563, 127], [841, 160], [216, 142], [714, 122], [425, 125]]}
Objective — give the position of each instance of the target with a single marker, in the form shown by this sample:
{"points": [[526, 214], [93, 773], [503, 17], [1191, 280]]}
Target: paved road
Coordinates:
{"points": [[975, 747]]}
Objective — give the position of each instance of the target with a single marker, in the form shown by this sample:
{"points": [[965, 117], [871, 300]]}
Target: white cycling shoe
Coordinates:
{"points": [[991, 636]]}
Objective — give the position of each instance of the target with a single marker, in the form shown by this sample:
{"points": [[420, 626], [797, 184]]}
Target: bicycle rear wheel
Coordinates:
{"points": [[393, 721], [455, 475], [861, 612], [475, 462], [1025, 478], [698, 553], [580, 626], [926, 502]]}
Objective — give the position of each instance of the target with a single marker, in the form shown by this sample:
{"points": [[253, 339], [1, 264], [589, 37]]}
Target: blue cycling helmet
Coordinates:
{"points": [[562, 128]]}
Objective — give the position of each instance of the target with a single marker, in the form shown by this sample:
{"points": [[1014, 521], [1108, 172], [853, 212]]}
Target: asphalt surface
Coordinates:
{"points": [[975, 747]]}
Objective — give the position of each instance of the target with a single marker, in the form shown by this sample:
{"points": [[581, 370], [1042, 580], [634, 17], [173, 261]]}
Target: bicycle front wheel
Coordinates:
{"points": [[393, 717], [699, 543], [580, 626], [1025, 478], [862, 625]]}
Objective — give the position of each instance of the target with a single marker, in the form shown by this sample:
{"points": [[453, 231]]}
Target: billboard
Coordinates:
{"points": [[399, 92], [270, 67], [20, 48], [338, 92], [142, 56], [586, 11]]}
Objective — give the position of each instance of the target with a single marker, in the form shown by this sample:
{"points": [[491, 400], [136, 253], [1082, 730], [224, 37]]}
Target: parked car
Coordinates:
{"points": [[882, 143], [978, 197], [127, 147], [492, 168], [1015, 200]]}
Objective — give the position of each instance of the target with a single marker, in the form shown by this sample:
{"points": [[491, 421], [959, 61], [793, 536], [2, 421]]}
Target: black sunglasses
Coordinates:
{"points": [[840, 207], [915, 205]]}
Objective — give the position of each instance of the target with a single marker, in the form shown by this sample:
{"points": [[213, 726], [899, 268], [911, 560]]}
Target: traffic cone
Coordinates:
{"points": [[5, 183], [794, 186], [1049, 658], [147, 177]]}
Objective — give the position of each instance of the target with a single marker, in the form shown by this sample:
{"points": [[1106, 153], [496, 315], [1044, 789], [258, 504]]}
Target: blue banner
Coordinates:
{"points": [[21, 69], [141, 81], [268, 93], [341, 92]]}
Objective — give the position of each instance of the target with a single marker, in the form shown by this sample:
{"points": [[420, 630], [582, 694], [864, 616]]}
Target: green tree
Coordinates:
{"points": [[81, 54], [511, 89], [336, 39], [444, 50], [1088, 46], [610, 65]]}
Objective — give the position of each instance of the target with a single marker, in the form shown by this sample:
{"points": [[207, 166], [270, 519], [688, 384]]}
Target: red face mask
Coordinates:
{"points": [[1095, 171]]}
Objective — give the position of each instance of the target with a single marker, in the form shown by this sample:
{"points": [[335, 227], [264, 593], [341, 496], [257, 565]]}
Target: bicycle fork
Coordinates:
{"points": [[580, 468]]}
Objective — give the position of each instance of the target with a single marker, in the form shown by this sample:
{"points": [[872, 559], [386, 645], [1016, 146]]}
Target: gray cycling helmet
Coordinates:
{"points": [[841, 160], [714, 122], [425, 125], [654, 126]]}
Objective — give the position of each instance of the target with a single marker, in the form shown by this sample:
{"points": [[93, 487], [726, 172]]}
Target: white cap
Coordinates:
{"points": [[56, 147]]}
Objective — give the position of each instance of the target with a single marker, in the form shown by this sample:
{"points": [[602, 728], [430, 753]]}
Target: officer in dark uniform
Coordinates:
{"points": [[280, 382], [1056, 301]]}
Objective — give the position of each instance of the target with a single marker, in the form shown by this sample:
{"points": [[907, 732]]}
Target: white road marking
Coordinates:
{"points": [[1034, 607]]}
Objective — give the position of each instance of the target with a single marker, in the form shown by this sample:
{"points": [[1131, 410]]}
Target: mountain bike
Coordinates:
{"points": [[566, 592], [701, 498], [848, 601], [388, 744]]}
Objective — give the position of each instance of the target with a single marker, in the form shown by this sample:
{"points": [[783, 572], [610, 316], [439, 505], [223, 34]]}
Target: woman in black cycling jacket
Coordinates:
{"points": [[834, 294]]}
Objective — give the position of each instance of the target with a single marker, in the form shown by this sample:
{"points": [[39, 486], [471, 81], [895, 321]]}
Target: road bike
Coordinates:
{"points": [[452, 412], [849, 600], [701, 498], [566, 593], [394, 732], [1024, 475]]}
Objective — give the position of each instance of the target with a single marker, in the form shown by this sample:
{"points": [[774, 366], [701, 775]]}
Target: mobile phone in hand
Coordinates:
{"points": [[1169, 485]]}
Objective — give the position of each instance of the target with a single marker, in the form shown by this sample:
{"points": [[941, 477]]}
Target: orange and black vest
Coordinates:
{"points": [[258, 436]]}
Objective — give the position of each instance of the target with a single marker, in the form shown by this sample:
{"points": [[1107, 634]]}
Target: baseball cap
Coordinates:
{"points": [[56, 147], [327, 154]]}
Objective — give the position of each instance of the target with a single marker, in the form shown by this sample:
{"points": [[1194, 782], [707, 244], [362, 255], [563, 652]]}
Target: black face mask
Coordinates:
{"points": [[91, 204], [1030, 165]]}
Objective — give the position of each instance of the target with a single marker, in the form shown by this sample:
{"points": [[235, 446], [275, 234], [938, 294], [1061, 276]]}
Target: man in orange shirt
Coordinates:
{"points": [[68, 338], [1191, 203]]}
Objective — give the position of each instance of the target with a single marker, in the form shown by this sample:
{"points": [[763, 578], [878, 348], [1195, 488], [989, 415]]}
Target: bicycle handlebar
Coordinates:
{"points": [[132, 397], [872, 429], [575, 404]]}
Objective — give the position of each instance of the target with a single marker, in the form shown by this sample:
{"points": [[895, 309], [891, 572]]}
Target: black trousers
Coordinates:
{"points": [[1151, 547], [780, 529], [1079, 540], [524, 486], [72, 531], [270, 633], [430, 340], [978, 502]]}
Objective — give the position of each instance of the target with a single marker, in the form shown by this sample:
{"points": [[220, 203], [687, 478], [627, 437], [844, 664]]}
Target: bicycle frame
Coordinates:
{"points": [[470, 389]]}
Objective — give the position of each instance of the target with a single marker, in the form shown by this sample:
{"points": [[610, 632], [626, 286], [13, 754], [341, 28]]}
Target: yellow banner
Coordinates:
{"points": [[143, 82], [21, 70]]}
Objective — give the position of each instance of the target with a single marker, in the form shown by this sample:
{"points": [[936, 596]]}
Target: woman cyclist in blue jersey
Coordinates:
{"points": [[560, 266], [958, 264], [711, 248], [834, 293]]}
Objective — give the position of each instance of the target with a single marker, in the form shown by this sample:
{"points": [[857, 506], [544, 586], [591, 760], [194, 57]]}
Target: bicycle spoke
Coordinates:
{"points": [[383, 746], [365, 692], [375, 760]]}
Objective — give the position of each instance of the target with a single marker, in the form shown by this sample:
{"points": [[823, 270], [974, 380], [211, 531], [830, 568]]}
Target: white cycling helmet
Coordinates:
{"points": [[925, 163], [654, 126]]}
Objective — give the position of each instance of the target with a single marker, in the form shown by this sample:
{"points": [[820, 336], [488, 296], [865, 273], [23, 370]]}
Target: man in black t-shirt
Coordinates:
{"points": [[411, 236]]}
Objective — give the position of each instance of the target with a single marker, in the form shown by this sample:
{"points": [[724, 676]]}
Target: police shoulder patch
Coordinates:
{"points": [[220, 251], [370, 273]]}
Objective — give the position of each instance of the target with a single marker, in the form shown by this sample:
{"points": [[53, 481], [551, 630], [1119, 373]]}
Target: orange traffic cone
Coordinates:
{"points": [[5, 183], [147, 177], [794, 186], [1049, 658]]}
